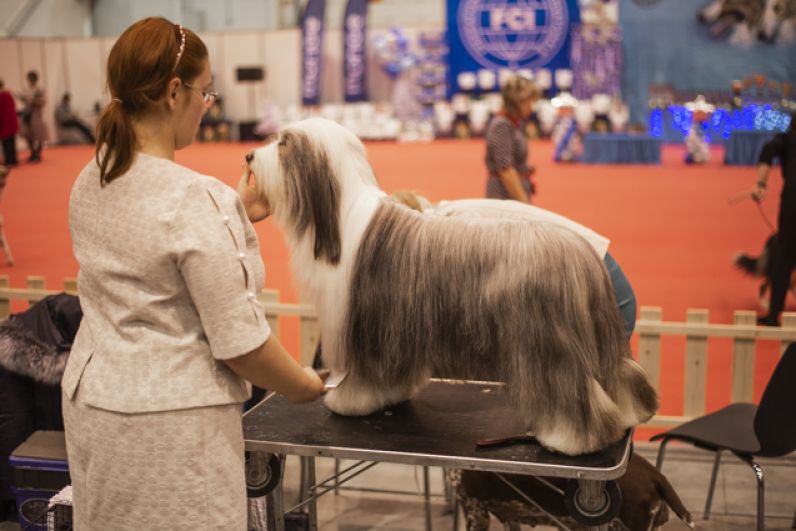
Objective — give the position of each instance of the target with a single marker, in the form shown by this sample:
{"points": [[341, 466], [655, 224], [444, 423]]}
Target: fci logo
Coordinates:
{"points": [[512, 18], [513, 33]]}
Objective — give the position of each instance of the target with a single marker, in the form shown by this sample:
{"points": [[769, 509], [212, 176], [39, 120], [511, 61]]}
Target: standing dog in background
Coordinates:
{"points": [[647, 497], [762, 266], [401, 295]]}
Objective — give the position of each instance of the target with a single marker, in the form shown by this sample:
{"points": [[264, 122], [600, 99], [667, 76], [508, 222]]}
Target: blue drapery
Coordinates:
{"points": [[599, 148], [744, 147]]}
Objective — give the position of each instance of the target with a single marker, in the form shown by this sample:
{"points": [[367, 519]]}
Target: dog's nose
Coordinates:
{"points": [[250, 156]]}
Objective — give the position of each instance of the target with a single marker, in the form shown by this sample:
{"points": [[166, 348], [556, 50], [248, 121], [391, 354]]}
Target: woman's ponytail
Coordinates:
{"points": [[115, 142]]}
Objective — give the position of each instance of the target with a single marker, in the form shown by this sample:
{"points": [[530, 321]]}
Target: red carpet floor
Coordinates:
{"points": [[672, 228]]}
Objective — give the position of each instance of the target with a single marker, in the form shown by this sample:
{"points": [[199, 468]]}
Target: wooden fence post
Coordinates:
{"points": [[70, 286], [696, 352], [309, 337], [271, 295], [743, 360], [35, 283], [649, 347], [5, 302]]}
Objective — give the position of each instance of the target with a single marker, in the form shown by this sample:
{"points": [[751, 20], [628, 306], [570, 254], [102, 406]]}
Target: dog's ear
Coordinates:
{"points": [[312, 192]]}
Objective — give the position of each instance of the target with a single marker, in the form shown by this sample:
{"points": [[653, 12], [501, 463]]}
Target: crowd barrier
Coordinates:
{"points": [[650, 329]]}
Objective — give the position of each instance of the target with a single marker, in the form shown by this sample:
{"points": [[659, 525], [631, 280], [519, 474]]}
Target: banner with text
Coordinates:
{"points": [[512, 34], [355, 87], [312, 51]]}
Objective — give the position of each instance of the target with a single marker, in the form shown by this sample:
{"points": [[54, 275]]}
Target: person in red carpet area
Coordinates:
{"points": [[9, 125], [783, 147]]}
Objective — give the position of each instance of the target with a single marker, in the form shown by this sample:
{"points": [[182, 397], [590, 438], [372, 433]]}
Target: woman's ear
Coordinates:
{"points": [[171, 93]]}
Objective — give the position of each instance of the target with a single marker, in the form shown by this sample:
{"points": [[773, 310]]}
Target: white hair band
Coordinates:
{"points": [[182, 46]]}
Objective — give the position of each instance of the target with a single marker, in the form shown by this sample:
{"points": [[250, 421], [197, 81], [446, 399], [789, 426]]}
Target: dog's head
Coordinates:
{"points": [[300, 177], [775, 14], [722, 15]]}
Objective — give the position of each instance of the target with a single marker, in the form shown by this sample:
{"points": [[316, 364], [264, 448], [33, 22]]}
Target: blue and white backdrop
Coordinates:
{"points": [[514, 34]]}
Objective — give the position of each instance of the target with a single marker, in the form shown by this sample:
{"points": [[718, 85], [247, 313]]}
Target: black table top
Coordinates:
{"points": [[438, 427]]}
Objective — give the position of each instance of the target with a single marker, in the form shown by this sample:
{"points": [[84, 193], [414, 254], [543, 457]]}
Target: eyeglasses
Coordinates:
{"points": [[208, 95]]}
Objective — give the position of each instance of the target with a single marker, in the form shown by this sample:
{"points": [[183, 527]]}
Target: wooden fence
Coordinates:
{"points": [[650, 329], [744, 332], [309, 331]]}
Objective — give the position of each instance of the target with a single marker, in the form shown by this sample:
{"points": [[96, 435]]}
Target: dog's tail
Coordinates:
{"points": [[748, 264], [635, 397], [669, 495], [593, 391]]}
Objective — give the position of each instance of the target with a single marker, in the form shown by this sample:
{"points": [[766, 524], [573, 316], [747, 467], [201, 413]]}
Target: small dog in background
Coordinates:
{"points": [[736, 20], [762, 266], [779, 21], [646, 498]]}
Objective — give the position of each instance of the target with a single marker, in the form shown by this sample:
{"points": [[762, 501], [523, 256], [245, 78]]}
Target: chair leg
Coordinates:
{"points": [[661, 454], [761, 505], [713, 475], [793, 524]]}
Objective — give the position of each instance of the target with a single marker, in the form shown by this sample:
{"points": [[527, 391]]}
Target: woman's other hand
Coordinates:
{"points": [[257, 208]]}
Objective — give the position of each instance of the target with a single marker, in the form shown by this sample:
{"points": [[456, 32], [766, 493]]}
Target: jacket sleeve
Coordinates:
{"points": [[218, 270]]}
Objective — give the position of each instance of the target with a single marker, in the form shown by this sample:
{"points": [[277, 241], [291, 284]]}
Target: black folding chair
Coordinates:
{"points": [[747, 430]]}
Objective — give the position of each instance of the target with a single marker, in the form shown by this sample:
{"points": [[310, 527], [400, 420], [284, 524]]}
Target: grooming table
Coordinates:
{"points": [[438, 427]]}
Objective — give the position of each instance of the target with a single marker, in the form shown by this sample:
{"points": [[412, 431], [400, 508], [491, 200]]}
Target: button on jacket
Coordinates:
{"points": [[168, 265]]}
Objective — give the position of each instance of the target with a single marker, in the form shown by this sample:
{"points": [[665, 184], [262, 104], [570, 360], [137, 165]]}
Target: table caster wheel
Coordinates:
{"points": [[608, 507], [263, 472]]}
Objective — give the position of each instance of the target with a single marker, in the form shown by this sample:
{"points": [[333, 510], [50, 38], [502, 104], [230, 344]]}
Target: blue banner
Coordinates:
{"points": [[354, 48], [311, 51], [498, 34]]}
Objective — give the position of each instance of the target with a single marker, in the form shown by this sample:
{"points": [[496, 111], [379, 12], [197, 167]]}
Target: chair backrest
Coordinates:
{"points": [[775, 421]]}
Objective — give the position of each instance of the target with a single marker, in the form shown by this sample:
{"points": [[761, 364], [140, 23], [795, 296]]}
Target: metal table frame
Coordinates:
{"points": [[438, 427]]}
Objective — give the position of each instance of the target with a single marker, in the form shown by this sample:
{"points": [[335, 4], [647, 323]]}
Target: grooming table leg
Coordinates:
{"points": [[313, 507], [427, 497], [336, 474], [593, 502], [276, 503]]}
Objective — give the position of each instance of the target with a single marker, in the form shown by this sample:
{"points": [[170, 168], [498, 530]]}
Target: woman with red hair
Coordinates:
{"points": [[170, 270]]}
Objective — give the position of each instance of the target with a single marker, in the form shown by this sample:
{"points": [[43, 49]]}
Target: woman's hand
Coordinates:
{"points": [[257, 208], [315, 387], [759, 191]]}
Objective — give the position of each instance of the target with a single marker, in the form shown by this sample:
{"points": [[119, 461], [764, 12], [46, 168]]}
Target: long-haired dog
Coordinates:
{"points": [[647, 497], [762, 266], [738, 20], [401, 296], [779, 21]]}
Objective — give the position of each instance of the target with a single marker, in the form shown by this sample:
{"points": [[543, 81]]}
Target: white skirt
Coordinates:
{"points": [[168, 470]]}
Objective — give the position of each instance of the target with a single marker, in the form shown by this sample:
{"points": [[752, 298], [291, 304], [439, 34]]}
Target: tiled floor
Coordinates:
{"points": [[687, 469]]}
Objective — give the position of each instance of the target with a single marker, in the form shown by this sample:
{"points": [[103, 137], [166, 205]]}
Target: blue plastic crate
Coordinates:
{"points": [[38, 471]]}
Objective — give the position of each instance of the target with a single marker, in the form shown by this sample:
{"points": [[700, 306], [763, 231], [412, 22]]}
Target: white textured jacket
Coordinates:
{"points": [[169, 272]]}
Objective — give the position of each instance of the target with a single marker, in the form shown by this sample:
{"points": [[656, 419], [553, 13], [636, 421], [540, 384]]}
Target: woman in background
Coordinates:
{"points": [[34, 128], [507, 146]]}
